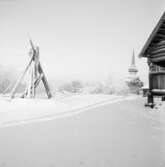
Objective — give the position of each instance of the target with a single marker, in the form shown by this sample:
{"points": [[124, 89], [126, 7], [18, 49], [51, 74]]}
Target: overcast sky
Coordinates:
{"points": [[78, 39]]}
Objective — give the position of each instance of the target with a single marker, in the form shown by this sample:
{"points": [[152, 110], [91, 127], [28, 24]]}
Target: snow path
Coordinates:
{"points": [[21, 111]]}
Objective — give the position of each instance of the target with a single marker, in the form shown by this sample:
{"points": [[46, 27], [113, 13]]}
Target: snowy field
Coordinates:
{"points": [[18, 111], [97, 131]]}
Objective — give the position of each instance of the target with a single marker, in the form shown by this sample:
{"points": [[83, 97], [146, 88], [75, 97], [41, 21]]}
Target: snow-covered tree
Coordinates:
{"points": [[134, 85]]}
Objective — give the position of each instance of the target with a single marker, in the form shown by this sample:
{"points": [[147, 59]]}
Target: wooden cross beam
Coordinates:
{"points": [[36, 74]]}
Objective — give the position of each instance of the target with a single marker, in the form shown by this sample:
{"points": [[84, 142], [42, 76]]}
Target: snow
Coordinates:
{"points": [[19, 111], [121, 134]]}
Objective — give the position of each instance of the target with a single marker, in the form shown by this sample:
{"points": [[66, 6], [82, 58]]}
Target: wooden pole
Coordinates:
{"points": [[44, 80], [33, 79], [37, 81], [19, 79], [29, 94]]}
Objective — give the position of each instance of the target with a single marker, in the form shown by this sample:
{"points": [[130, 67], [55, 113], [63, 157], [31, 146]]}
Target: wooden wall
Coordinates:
{"points": [[158, 80]]}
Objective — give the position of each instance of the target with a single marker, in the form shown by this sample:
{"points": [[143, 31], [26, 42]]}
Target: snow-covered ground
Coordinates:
{"points": [[18, 111], [114, 131]]}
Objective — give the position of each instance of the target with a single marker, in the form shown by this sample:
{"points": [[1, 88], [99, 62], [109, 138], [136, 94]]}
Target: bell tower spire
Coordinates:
{"points": [[132, 69], [133, 59], [133, 81]]}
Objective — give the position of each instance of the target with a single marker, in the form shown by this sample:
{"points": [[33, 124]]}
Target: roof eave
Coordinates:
{"points": [[150, 38]]}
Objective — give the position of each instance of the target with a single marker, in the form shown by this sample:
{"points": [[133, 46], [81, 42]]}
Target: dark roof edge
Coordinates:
{"points": [[149, 40]]}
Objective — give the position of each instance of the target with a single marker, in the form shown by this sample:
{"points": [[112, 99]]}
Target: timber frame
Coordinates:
{"points": [[36, 74], [154, 51]]}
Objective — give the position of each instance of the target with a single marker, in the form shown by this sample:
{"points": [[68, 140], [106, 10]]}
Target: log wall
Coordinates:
{"points": [[157, 80]]}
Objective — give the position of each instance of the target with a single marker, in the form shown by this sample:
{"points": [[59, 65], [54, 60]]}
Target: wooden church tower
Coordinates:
{"points": [[132, 69], [133, 81]]}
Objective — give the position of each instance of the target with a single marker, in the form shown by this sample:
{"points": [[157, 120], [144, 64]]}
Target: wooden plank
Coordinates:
{"points": [[156, 40], [163, 26], [161, 55], [29, 93], [156, 47], [33, 79], [152, 36], [45, 82], [150, 81], [32, 45], [161, 42], [20, 79], [158, 73], [36, 61], [38, 80], [157, 51], [162, 30], [161, 35], [36, 83], [158, 60]]}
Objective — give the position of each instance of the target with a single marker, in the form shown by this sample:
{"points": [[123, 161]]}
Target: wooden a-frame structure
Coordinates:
{"points": [[36, 74]]}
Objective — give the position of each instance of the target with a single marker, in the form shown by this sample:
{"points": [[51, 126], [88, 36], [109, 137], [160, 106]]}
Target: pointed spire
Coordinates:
{"points": [[133, 59], [133, 68]]}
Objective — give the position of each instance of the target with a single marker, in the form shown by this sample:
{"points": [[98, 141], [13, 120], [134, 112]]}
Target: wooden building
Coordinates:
{"points": [[154, 51]]}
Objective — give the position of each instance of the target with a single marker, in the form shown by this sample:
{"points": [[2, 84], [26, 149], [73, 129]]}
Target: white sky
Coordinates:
{"points": [[78, 39]]}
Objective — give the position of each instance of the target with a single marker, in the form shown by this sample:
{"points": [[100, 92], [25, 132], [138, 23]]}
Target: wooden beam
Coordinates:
{"points": [[33, 79], [158, 60], [161, 42], [20, 79], [157, 47], [161, 35], [44, 80], [36, 83], [158, 55], [30, 84], [162, 29], [152, 36], [36, 59], [157, 51], [162, 26]]}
